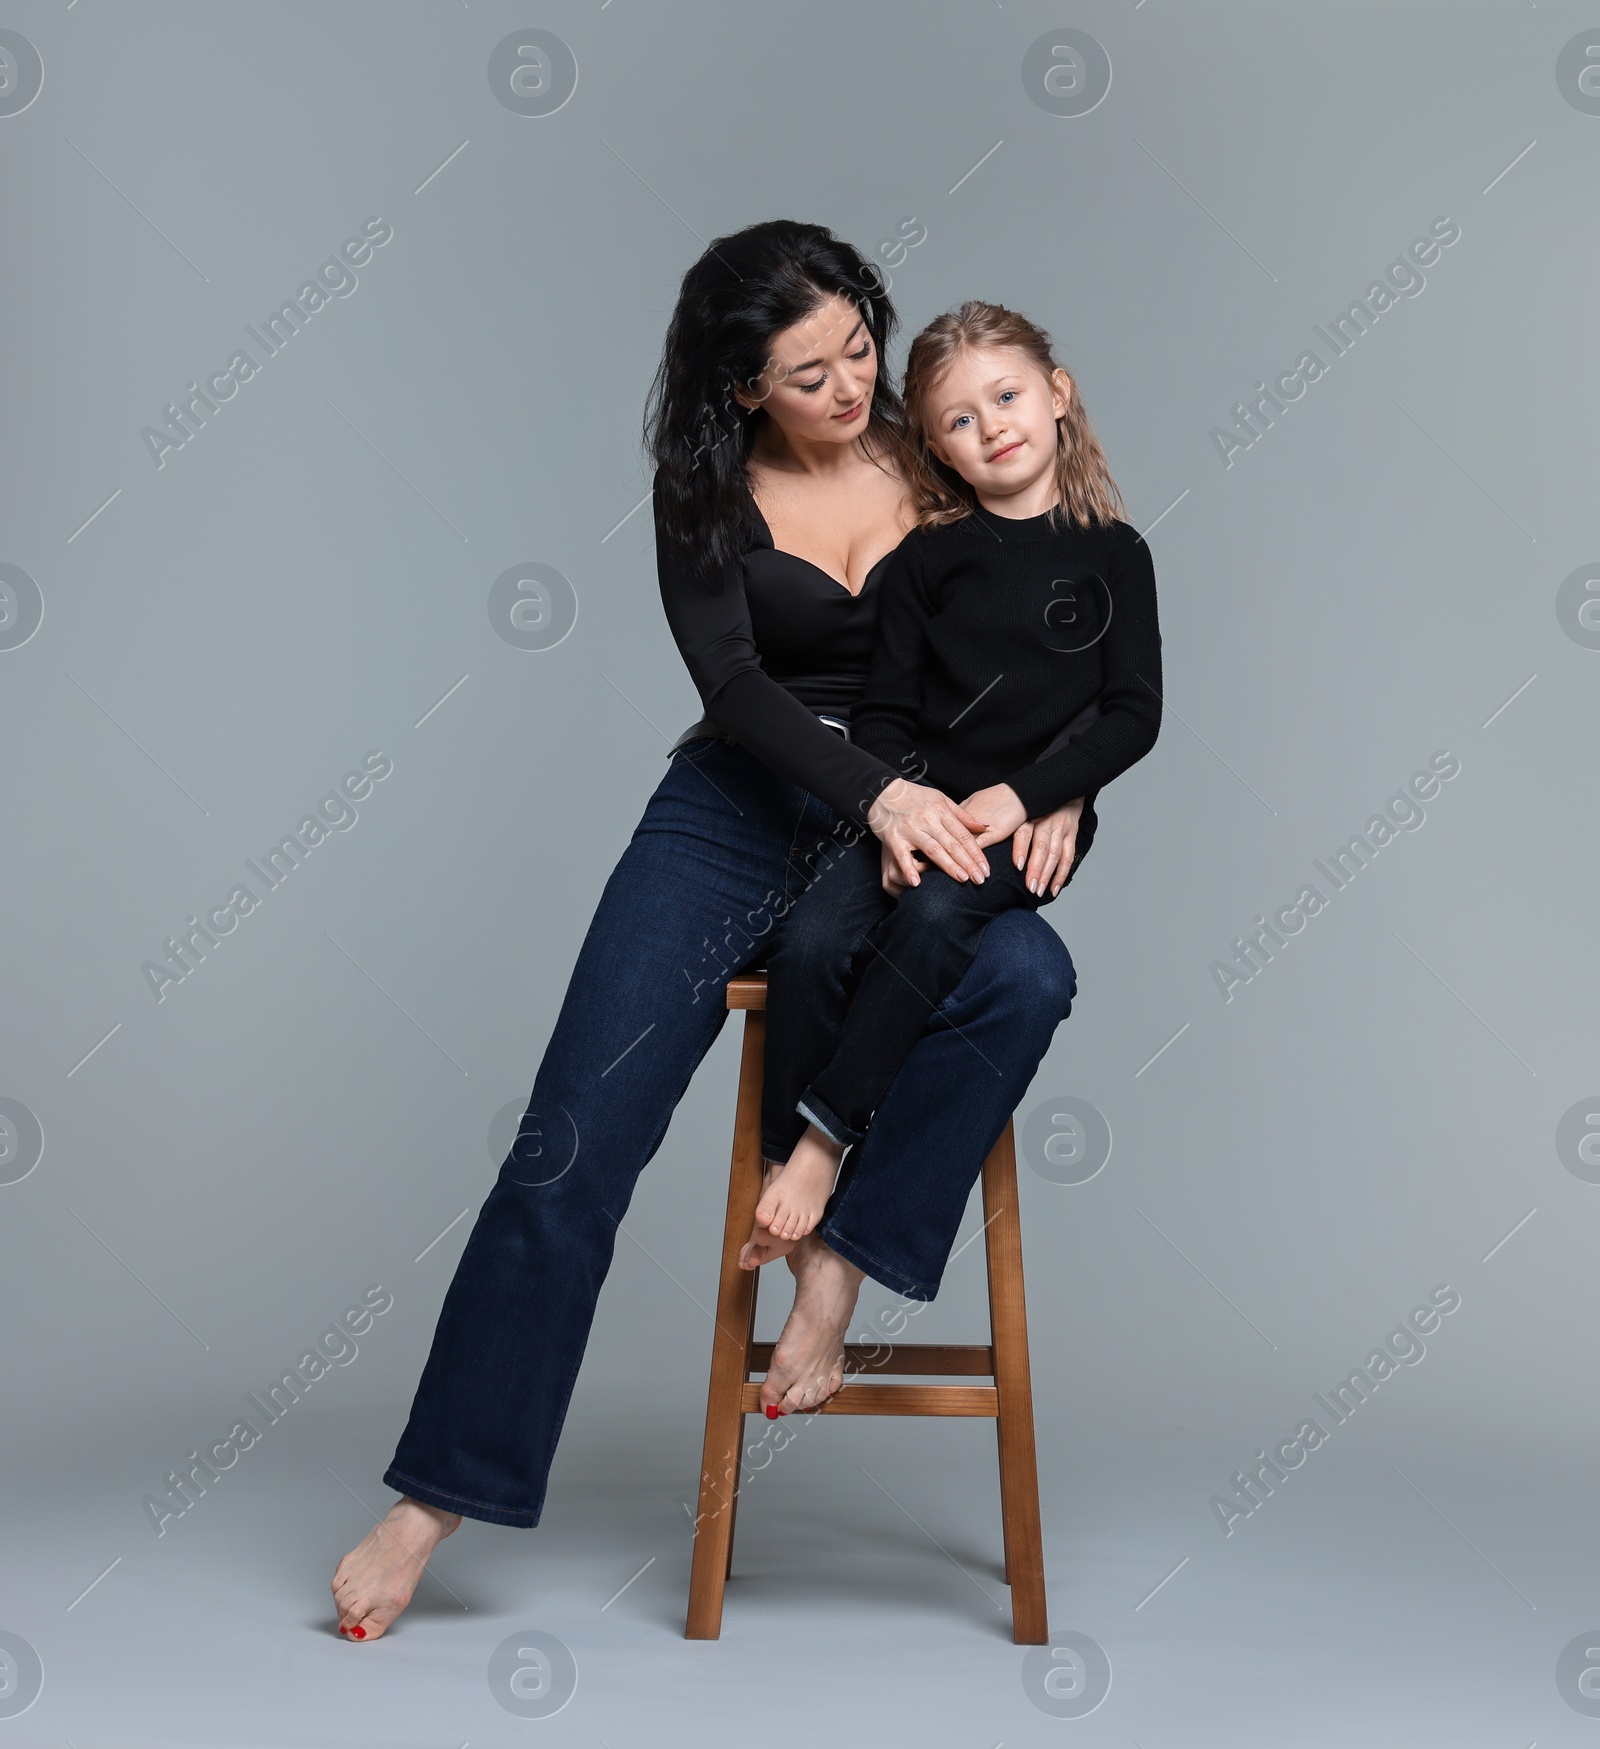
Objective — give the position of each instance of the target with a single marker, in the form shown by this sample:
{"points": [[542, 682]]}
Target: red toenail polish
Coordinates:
{"points": [[773, 1411], [358, 1633]]}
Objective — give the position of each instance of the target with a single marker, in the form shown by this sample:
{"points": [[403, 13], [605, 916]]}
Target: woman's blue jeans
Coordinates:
{"points": [[725, 847]]}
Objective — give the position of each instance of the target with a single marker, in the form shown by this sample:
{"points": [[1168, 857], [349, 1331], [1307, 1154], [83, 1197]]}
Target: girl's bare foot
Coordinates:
{"points": [[808, 1359], [374, 1582], [793, 1203], [763, 1245]]}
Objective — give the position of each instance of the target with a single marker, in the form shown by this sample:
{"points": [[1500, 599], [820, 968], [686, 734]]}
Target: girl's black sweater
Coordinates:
{"points": [[995, 636]]}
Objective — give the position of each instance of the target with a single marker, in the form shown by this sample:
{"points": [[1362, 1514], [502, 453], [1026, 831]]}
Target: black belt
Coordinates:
{"points": [[705, 726]]}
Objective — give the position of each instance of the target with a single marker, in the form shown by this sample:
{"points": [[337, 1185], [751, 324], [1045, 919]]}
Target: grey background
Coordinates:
{"points": [[308, 578]]}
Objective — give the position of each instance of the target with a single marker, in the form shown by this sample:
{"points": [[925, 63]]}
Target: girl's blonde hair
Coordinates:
{"points": [[1083, 480]]}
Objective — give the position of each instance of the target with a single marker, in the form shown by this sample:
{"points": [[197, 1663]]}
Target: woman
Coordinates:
{"points": [[778, 496]]}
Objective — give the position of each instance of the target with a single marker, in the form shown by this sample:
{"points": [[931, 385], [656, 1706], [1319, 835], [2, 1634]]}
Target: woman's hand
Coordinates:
{"points": [[913, 819], [895, 883], [1046, 846]]}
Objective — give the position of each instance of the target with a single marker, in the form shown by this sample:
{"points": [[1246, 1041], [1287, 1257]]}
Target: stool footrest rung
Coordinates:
{"points": [[870, 1359], [896, 1400]]}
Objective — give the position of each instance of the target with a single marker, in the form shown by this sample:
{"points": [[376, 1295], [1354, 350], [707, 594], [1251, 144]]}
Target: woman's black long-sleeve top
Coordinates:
{"points": [[772, 643]]}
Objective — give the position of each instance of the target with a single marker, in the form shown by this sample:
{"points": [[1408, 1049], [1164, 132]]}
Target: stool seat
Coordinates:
{"points": [[1007, 1399]]}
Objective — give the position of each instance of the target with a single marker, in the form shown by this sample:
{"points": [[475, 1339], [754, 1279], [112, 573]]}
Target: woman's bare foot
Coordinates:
{"points": [[808, 1359], [763, 1245], [793, 1203], [374, 1582]]}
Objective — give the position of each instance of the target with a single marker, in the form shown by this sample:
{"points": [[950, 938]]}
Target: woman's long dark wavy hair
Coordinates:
{"points": [[745, 289]]}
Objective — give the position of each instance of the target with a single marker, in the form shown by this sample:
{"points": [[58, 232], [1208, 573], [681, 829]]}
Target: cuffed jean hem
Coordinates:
{"points": [[827, 1120], [873, 1266], [446, 1502]]}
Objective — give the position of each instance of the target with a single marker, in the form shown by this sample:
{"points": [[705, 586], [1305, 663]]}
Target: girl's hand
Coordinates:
{"points": [[914, 818], [1000, 809], [1046, 847]]}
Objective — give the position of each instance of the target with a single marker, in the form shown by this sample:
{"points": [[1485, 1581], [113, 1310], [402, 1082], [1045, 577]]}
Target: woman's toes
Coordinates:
{"points": [[805, 1394], [774, 1388], [376, 1622], [369, 1618]]}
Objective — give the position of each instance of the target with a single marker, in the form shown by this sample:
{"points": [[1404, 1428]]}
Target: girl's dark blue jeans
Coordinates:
{"points": [[854, 978], [724, 849]]}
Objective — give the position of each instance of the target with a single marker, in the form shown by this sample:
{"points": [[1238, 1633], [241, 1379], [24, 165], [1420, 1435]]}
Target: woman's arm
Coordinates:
{"points": [[915, 822], [710, 623], [885, 719], [1130, 697]]}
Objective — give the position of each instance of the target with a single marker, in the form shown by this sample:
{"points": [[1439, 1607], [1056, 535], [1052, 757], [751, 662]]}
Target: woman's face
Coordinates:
{"points": [[820, 375]]}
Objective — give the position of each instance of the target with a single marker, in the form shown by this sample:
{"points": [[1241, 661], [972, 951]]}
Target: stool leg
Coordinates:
{"points": [[730, 1352], [1008, 1324], [733, 1511]]}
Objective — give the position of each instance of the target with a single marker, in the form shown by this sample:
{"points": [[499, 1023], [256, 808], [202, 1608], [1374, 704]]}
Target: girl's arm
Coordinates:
{"points": [[1046, 849], [1130, 697]]}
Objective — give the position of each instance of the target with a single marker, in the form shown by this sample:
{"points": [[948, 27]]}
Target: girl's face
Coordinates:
{"points": [[992, 417], [820, 375]]}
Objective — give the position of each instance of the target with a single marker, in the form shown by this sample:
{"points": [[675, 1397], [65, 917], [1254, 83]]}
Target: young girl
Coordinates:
{"points": [[1018, 664]]}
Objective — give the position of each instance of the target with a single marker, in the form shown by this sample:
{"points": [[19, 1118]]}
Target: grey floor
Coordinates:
{"points": [[867, 1604]]}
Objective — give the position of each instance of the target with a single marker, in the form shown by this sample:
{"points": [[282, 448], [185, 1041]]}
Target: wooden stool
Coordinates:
{"points": [[735, 1355]]}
